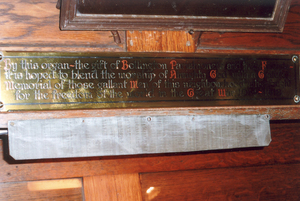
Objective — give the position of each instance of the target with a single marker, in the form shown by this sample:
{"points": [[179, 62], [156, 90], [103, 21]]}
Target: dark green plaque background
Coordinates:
{"points": [[35, 81]]}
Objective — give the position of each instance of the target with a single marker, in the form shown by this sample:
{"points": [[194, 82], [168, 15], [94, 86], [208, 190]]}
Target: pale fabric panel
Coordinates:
{"points": [[126, 135]]}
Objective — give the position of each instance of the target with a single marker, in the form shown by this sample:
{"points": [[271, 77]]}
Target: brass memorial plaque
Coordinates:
{"points": [[41, 81]]}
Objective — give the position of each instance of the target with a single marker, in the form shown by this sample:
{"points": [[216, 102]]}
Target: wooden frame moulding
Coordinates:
{"points": [[72, 19]]}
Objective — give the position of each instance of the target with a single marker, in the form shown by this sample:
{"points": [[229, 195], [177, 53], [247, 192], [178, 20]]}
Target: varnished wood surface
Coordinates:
{"points": [[34, 26], [124, 187], [284, 149], [277, 182], [275, 112], [30, 25], [55, 190], [287, 42], [260, 42], [160, 41]]}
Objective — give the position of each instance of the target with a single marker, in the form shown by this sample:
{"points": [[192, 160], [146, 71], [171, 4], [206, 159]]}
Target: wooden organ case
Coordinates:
{"points": [[161, 67]]}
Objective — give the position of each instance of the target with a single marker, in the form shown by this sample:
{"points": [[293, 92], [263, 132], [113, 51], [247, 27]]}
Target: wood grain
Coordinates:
{"points": [[34, 26], [124, 187], [287, 42], [284, 149], [160, 41], [56, 190], [276, 112], [273, 42], [278, 182]]}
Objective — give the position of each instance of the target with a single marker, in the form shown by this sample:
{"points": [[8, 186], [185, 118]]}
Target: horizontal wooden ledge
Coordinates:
{"points": [[276, 112], [115, 48], [45, 48], [241, 50]]}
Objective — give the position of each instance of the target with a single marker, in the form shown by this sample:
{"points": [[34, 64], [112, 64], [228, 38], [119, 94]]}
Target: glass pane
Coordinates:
{"points": [[212, 8]]}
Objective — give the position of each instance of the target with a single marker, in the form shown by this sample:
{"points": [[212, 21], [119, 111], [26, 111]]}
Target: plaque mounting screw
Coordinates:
{"points": [[295, 59], [191, 31], [267, 116], [1, 104], [148, 118], [297, 99]]}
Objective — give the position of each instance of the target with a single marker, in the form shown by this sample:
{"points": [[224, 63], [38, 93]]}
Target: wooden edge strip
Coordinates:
{"points": [[276, 112]]}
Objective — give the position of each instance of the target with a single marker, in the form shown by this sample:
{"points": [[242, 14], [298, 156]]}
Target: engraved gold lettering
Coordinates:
{"points": [[109, 84], [37, 77], [21, 96], [102, 64], [104, 75], [11, 85], [79, 65], [10, 66], [56, 95], [117, 81], [80, 76]]}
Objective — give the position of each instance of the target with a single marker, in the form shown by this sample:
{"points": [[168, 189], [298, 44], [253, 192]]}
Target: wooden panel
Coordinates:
{"points": [[56, 190], [277, 42], [287, 42], [278, 182], [33, 26], [160, 41], [125, 187], [284, 148]]}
